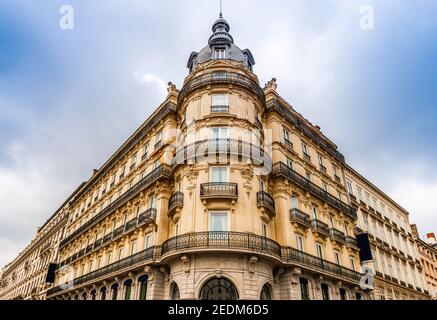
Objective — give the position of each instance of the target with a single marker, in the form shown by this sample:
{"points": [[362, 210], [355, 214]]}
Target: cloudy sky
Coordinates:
{"points": [[69, 98]]}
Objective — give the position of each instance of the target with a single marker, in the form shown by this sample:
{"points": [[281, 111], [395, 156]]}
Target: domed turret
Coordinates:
{"points": [[220, 47]]}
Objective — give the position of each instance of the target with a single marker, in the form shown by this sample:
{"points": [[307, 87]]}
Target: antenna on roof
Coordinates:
{"points": [[221, 7]]}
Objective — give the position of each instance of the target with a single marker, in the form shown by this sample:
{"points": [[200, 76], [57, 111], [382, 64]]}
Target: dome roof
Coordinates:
{"points": [[221, 47]]}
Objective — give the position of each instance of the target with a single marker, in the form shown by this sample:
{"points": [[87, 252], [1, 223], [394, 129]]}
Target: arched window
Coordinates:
{"points": [[76, 297], [103, 293], [343, 295], [219, 289], [114, 289], [325, 291], [93, 295], [143, 287], [304, 290], [127, 289], [358, 296], [265, 293], [175, 294]]}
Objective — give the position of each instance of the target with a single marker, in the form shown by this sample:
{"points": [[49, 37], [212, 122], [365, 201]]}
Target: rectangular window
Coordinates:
{"points": [[218, 221], [265, 228], [218, 133], [337, 257], [304, 291], [360, 193], [319, 251], [304, 148], [152, 201], [220, 54], [220, 100], [321, 162], [156, 164], [287, 137], [108, 261], [148, 242], [120, 253], [219, 174], [349, 187], [290, 164], [352, 263], [314, 212], [308, 176], [294, 202], [299, 243], [133, 247]]}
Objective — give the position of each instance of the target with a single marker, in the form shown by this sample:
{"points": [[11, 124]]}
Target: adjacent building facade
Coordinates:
{"points": [[225, 192], [428, 257], [394, 261], [28, 276]]}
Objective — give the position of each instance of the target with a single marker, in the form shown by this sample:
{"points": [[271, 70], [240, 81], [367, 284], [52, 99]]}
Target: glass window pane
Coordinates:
{"points": [[219, 222]]}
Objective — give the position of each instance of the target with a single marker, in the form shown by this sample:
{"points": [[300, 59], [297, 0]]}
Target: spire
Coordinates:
{"points": [[221, 11]]}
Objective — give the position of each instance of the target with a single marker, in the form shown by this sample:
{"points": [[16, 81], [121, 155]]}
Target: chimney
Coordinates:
{"points": [[415, 231], [431, 239]]}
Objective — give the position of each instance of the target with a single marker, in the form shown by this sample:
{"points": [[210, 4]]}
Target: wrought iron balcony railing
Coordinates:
{"points": [[338, 235], [225, 240], [176, 200], [265, 200], [320, 227], [162, 171], [295, 256], [210, 149], [219, 190], [281, 169], [148, 216], [149, 254], [220, 78], [219, 109], [300, 217], [350, 241]]}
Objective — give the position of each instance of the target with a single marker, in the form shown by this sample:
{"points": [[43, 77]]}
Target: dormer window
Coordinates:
{"points": [[220, 53]]}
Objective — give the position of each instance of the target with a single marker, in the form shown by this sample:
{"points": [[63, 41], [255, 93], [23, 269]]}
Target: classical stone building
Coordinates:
{"points": [[428, 258], [384, 226], [224, 192], [29, 275]]}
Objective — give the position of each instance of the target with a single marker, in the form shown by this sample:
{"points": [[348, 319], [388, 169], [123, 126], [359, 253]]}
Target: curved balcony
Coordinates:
{"points": [[176, 201], [300, 218], [218, 190], [223, 241], [282, 170], [220, 78], [265, 200], [211, 149]]}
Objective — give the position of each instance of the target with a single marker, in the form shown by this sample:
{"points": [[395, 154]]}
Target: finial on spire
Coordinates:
{"points": [[221, 11]]}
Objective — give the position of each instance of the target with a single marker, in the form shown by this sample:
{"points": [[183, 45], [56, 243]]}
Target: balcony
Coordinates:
{"points": [[210, 149], [158, 145], [320, 227], [351, 242], [337, 179], [176, 202], [323, 168], [140, 258], [300, 218], [307, 157], [337, 236], [218, 190], [288, 143], [281, 169], [162, 172], [222, 241], [265, 200], [308, 261], [219, 109]]}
